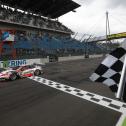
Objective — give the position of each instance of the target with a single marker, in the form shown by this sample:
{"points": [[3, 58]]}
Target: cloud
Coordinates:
{"points": [[90, 18], [84, 2], [116, 3]]}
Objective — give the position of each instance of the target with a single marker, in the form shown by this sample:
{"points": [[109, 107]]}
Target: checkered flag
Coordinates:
{"points": [[109, 71]]}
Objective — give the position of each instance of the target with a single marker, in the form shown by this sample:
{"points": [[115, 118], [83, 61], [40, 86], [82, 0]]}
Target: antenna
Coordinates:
{"points": [[107, 29]]}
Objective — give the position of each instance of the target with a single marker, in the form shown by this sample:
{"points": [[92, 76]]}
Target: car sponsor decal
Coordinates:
{"points": [[27, 72]]}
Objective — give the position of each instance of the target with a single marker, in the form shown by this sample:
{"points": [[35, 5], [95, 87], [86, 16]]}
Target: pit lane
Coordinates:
{"points": [[26, 102]]}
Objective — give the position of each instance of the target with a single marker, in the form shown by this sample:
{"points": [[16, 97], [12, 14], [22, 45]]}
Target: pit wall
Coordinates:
{"points": [[43, 61]]}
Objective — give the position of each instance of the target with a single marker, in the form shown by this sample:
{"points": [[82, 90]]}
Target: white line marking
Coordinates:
{"points": [[121, 120], [100, 100]]}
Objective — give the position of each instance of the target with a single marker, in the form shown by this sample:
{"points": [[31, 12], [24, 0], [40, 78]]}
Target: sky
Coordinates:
{"points": [[90, 18]]}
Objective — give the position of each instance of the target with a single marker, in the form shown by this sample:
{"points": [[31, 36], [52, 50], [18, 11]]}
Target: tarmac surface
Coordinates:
{"points": [[25, 102]]}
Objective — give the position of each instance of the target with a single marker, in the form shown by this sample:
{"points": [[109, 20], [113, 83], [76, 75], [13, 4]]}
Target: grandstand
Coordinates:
{"points": [[37, 31]]}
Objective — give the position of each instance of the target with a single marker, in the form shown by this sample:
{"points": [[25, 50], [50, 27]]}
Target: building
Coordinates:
{"points": [[33, 24]]}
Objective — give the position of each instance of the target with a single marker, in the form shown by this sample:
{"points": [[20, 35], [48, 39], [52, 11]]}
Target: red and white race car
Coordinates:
{"points": [[20, 72]]}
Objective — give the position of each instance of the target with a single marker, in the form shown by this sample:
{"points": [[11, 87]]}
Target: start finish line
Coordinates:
{"points": [[92, 97]]}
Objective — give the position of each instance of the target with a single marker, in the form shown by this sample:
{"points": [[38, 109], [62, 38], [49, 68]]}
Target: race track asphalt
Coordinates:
{"points": [[25, 102]]}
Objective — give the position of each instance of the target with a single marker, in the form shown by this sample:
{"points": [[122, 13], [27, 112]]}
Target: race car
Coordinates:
{"points": [[6, 74], [20, 72]]}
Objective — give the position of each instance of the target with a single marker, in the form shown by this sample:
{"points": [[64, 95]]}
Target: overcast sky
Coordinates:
{"points": [[90, 17]]}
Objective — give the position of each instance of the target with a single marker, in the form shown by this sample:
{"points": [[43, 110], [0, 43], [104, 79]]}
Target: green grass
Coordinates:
{"points": [[124, 123]]}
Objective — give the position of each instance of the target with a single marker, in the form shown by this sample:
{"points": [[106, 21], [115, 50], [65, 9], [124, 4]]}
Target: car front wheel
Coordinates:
{"points": [[37, 72]]}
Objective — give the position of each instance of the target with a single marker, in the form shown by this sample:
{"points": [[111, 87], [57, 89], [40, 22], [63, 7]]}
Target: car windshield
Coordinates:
{"points": [[2, 69]]}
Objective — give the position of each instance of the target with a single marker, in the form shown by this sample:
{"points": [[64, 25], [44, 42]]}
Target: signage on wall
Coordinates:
{"points": [[12, 63]]}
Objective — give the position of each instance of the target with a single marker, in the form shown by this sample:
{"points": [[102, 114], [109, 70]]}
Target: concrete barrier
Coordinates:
{"points": [[43, 61], [21, 62], [68, 58]]}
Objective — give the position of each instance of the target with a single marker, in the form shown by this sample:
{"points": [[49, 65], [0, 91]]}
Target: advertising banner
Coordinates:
{"points": [[22, 62], [6, 36]]}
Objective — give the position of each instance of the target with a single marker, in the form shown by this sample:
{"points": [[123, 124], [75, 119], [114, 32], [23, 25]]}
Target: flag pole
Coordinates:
{"points": [[122, 82]]}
